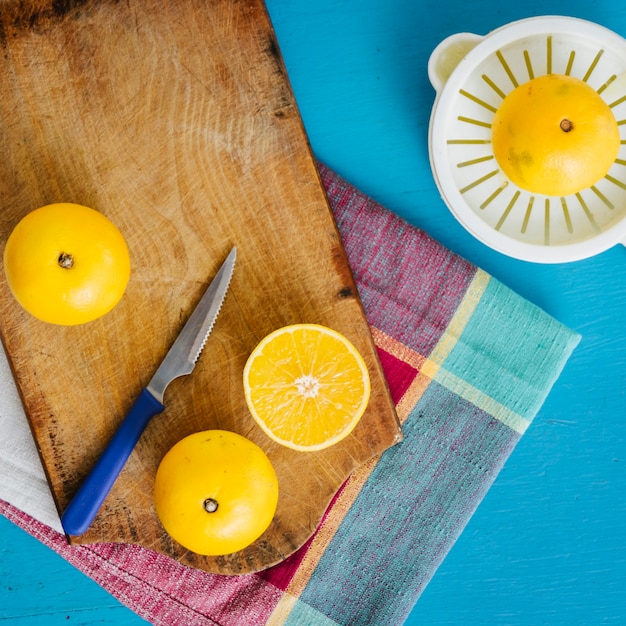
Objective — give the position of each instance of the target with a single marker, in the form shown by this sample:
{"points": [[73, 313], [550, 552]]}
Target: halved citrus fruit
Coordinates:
{"points": [[215, 492], [306, 386], [555, 135], [66, 264]]}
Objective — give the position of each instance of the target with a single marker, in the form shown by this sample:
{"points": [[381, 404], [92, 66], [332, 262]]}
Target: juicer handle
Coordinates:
{"points": [[447, 55]]}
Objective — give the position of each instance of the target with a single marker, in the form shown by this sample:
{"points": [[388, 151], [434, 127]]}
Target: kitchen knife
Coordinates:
{"points": [[180, 360]]}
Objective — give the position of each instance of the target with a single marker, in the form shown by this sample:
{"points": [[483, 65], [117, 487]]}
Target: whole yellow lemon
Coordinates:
{"points": [[215, 492], [555, 135], [66, 264]]}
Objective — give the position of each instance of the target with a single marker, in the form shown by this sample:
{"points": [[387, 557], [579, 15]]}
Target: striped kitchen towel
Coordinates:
{"points": [[469, 363]]}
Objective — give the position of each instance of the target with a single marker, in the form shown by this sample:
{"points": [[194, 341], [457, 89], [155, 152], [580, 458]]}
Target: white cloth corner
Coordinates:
{"points": [[22, 479]]}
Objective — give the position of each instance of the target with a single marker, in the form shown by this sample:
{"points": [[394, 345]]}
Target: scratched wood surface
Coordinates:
{"points": [[176, 120]]}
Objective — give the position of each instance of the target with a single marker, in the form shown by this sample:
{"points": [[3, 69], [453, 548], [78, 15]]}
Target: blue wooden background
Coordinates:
{"points": [[548, 544]]}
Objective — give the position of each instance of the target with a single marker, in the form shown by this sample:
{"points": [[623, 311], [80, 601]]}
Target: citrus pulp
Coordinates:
{"points": [[215, 492], [306, 386], [555, 135], [66, 264]]}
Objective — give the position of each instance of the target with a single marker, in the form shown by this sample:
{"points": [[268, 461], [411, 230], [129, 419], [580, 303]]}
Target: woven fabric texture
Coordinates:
{"points": [[468, 362]]}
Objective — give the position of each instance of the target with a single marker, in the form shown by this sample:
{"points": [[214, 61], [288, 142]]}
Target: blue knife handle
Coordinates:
{"points": [[82, 509]]}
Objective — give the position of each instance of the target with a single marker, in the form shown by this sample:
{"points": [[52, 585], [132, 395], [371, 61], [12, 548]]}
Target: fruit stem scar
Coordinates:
{"points": [[210, 505], [566, 125], [65, 260]]}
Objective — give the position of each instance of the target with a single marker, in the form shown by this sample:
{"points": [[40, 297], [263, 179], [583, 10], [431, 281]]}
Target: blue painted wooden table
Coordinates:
{"points": [[548, 544]]}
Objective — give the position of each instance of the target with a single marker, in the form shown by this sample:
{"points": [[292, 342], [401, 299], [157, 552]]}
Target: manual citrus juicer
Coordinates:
{"points": [[472, 74]]}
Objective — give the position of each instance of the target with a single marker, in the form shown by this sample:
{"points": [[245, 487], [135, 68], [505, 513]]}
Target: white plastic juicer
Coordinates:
{"points": [[471, 75]]}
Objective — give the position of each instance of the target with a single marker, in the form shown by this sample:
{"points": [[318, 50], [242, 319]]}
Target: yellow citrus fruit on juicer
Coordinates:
{"points": [[555, 135]]}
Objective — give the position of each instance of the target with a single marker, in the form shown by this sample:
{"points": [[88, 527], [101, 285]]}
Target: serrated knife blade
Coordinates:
{"points": [[179, 361]]}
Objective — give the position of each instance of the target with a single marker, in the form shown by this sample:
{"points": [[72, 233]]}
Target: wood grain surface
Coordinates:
{"points": [[177, 121]]}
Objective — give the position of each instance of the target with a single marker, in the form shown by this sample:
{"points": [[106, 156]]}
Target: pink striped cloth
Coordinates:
{"points": [[469, 364]]}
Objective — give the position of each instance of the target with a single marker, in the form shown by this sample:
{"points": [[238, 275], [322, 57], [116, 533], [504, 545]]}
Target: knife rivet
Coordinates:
{"points": [[210, 505]]}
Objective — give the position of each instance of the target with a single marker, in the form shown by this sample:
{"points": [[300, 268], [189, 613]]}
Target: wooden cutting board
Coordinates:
{"points": [[176, 120]]}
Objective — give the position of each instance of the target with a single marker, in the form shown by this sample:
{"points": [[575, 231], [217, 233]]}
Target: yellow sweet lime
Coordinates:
{"points": [[306, 386], [555, 135], [66, 264], [215, 492]]}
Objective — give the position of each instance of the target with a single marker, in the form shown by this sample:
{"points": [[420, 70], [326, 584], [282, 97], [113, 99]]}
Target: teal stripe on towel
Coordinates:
{"points": [[409, 512], [510, 351]]}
